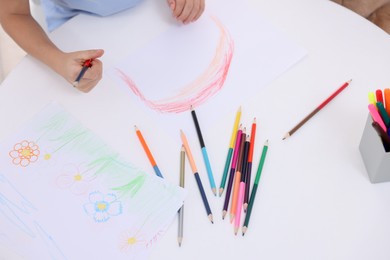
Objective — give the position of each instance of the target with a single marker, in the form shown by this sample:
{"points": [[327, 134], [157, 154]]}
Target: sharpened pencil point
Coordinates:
{"points": [[224, 214], [244, 228], [286, 136], [214, 191], [211, 218], [75, 84], [220, 192]]}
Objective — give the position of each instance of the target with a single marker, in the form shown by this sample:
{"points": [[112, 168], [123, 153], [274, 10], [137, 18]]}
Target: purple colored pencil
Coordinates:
{"points": [[232, 171]]}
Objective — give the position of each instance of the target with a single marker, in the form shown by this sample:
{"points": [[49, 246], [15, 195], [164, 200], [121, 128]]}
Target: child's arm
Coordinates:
{"points": [[16, 19]]}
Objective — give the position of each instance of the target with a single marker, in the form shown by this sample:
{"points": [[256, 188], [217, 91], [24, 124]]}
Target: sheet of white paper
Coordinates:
{"points": [[64, 194], [217, 62]]}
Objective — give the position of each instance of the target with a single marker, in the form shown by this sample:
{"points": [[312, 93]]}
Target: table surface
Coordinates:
{"points": [[315, 200]]}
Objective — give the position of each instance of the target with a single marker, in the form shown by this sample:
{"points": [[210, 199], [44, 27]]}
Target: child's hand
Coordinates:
{"points": [[73, 64], [187, 11]]}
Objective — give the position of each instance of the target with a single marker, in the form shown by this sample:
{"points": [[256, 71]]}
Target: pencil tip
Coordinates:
{"points": [[75, 84], [349, 81], [224, 214], [286, 136], [220, 192], [211, 218], [214, 191], [244, 228]]}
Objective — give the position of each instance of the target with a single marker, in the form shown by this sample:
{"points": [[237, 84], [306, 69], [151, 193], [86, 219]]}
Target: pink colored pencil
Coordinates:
{"points": [[241, 191], [237, 177]]}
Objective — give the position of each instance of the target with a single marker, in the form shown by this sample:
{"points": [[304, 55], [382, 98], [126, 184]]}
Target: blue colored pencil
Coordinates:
{"points": [[196, 175], [204, 152]]}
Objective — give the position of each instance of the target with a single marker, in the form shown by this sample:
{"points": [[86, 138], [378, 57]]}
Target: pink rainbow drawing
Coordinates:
{"points": [[207, 84]]}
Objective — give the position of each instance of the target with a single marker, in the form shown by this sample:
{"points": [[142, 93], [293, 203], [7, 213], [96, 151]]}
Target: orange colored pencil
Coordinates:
{"points": [[147, 151]]}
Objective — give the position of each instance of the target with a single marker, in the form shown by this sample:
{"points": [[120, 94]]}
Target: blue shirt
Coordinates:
{"points": [[59, 11]]}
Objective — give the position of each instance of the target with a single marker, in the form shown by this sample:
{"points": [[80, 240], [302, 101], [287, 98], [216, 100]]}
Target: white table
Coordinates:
{"points": [[315, 200]]}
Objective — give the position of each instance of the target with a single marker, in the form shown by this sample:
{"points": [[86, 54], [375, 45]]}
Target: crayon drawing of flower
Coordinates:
{"points": [[102, 207], [75, 179], [24, 153], [131, 242]]}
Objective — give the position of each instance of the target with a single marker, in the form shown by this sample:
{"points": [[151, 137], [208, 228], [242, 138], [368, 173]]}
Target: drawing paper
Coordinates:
{"points": [[64, 194]]}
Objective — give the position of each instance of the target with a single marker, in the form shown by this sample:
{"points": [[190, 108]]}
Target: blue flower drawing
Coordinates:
{"points": [[102, 207]]}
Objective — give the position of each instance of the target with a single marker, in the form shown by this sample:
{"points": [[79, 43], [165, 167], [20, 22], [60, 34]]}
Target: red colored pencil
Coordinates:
{"points": [[315, 111], [249, 165], [379, 95]]}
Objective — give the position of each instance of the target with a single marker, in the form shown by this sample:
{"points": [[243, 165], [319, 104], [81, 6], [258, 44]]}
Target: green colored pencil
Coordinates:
{"points": [[383, 113], [254, 189]]}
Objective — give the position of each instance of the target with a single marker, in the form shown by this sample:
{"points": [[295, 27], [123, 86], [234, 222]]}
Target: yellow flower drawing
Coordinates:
{"points": [[75, 178], [130, 241], [24, 153]]}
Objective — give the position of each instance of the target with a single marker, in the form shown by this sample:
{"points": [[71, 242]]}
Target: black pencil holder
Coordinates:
{"points": [[375, 158]]}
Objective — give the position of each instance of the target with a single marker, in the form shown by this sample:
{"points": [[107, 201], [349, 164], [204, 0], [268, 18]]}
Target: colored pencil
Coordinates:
{"points": [[230, 151], [232, 172], [379, 95], [181, 210], [254, 189], [383, 113], [248, 171], [383, 135], [376, 116], [237, 177], [386, 97], [148, 153], [242, 187], [196, 175], [371, 98], [86, 65], [316, 110], [204, 152]]}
